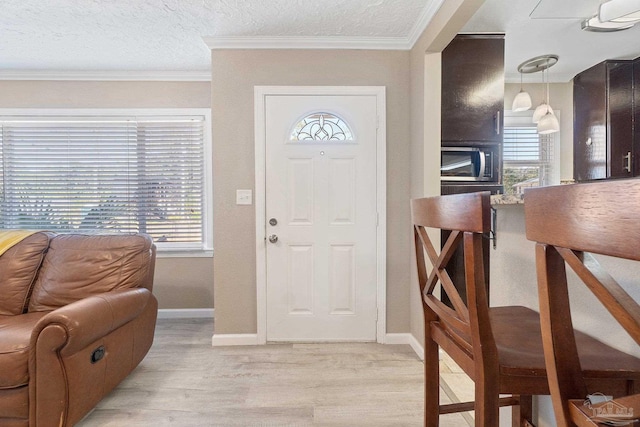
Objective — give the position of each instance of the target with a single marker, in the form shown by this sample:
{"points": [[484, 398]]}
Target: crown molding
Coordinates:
{"points": [[338, 42], [293, 42], [424, 19], [187, 76]]}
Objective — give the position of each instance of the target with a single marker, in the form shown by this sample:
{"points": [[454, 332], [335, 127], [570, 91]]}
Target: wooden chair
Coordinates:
{"points": [[569, 223], [499, 348]]}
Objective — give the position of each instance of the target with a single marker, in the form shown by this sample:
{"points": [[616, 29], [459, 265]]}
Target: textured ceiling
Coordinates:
{"points": [[140, 36], [538, 27], [166, 35]]}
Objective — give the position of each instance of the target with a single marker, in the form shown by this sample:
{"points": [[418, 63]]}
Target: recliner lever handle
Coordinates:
{"points": [[97, 354]]}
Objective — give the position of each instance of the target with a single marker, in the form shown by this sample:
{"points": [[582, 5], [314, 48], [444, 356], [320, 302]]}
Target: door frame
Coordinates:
{"points": [[260, 95]]}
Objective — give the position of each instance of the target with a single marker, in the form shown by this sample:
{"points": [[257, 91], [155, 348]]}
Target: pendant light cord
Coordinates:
{"points": [[548, 104]]}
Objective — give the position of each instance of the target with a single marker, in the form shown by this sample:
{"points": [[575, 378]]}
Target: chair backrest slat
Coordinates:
{"points": [[612, 296]]}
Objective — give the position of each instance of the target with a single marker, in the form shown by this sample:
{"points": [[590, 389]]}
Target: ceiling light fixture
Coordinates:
{"points": [[623, 11], [614, 15], [543, 115], [595, 25]]}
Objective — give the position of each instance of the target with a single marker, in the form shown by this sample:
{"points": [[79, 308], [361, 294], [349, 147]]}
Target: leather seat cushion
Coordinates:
{"points": [[15, 336], [18, 269], [78, 266]]}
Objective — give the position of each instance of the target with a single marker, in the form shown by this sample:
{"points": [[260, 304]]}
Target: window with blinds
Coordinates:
{"points": [[106, 174], [527, 158]]}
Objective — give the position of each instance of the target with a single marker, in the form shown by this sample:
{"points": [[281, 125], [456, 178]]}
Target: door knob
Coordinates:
{"points": [[273, 238]]}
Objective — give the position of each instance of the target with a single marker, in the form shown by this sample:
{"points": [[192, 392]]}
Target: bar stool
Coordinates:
{"points": [[569, 223], [499, 348]]}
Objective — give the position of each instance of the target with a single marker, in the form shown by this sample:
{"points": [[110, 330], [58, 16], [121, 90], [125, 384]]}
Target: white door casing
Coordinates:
{"points": [[324, 278]]}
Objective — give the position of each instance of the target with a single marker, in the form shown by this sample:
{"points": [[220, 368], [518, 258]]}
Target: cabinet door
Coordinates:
{"points": [[473, 89], [620, 119], [590, 124], [636, 121], [603, 121]]}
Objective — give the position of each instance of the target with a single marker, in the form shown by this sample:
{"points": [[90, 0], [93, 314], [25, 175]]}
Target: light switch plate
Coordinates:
{"points": [[244, 197]]}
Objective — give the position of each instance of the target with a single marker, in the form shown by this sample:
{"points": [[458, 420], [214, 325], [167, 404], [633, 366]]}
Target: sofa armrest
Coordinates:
{"points": [[65, 381], [89, 319]]}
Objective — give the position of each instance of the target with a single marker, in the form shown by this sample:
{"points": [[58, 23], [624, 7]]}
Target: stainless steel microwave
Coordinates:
{"points": [[471, 164]]}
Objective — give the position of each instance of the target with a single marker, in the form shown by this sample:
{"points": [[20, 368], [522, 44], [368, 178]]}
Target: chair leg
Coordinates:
{"points": [[522, 414], [431, 383], [487, 408]]}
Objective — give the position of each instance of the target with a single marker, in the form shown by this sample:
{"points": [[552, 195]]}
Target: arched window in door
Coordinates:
{"points": [[321, 126]]}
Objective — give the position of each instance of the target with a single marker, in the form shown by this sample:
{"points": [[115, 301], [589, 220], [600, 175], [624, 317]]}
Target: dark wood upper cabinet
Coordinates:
{"points": [[473, 90], [636, 119], [472, 115], [603, 121]]}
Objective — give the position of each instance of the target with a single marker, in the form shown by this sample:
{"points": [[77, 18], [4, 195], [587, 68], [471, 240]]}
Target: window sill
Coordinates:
{"points": [[184, 253]]}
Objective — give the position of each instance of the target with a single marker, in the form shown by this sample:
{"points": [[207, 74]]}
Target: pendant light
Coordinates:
{"points": [[534, 65], [541, 109], [543, 115], [548, 122], [522, 101]]}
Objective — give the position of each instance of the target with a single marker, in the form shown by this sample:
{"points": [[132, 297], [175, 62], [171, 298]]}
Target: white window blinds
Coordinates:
{"points": [[527, 158], [113, 174], [524, 144]]}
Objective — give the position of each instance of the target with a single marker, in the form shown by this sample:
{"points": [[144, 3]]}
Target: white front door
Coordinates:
{"points": [[321, 217]]}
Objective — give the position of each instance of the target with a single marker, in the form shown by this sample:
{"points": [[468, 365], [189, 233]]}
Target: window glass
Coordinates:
{"points": [[321, 127]]}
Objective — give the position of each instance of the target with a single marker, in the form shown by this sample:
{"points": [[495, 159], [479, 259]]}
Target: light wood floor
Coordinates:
{"points": [[184, 382]]}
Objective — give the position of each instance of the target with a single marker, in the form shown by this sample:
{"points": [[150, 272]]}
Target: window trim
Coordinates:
{"points": [[207, 249]]}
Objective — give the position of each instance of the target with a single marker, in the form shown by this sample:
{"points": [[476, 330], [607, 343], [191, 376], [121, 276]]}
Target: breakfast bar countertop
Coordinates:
{"points": [[507, 199]]}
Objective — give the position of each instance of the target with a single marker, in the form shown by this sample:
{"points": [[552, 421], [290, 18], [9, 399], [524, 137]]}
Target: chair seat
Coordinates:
{"points": [[14, 348], [518, 338]]}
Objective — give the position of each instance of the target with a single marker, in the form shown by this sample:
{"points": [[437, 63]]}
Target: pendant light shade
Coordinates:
{"points": [[522, 101], [548, 123], [540, 111]]}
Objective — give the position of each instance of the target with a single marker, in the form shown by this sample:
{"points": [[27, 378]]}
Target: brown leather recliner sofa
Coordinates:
{"points": [[76, 317]]}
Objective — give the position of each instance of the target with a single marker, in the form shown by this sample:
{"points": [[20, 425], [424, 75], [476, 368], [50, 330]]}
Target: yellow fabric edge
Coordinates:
{"points": [[9, 238]]}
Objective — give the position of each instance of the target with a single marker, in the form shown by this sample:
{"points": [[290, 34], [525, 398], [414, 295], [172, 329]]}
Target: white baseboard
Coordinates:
{"points": [[408, 339], [219, 340], [185, 313]]}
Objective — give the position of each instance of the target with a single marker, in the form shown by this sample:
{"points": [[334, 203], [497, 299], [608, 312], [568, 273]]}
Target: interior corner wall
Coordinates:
{"points": [[179, 282], [235, 72], [425, 121]]}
